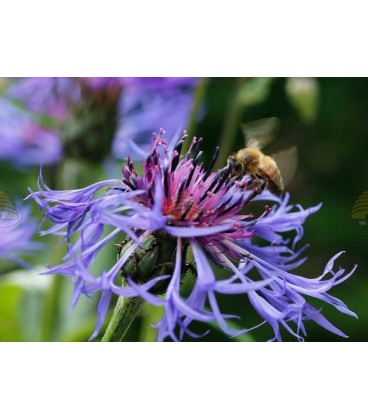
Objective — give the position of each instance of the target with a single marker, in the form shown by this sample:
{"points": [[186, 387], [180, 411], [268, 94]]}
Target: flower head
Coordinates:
{"points": [[176, 220]]}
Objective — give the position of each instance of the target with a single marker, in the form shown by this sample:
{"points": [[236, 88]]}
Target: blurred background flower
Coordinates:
{"points": [[50, 96], [147, 101], [87, 118], [18, 230], [24, 142]]}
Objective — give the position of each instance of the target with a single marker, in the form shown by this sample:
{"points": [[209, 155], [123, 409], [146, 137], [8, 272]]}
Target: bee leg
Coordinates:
{"points": [[261, 185]]}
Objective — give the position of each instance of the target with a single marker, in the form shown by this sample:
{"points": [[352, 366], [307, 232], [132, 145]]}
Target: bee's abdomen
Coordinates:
{"points": [[270, 171]]}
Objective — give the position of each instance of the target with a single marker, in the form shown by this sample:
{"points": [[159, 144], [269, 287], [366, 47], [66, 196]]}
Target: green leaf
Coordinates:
{"points": [[10, 326], [303, 93], [254, 91], [21, 298]]}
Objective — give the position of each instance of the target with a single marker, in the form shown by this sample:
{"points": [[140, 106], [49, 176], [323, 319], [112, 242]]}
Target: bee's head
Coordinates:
{"points": [[235, 165]]}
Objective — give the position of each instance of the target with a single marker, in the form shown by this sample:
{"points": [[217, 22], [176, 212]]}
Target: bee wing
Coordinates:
{"points": [[287, 162], [259, 133], [9, 213]]}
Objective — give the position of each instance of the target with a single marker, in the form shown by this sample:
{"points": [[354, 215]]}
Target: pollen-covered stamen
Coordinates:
{"points": [[213, 161], [197, 157], [190, 177], [183, 209], [197, 150], [212, 185], [188, 207], [158, 140], [193, 170], [237, 203], [221, 177], [224, 204], [230, 184], [192, 144], [224, 178], [176, 155], [181, 188], [166, 181], [199, 216]]}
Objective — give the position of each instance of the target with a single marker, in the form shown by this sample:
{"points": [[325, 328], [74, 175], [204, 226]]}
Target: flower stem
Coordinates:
{"points": [[51, 320], [125, 312]]}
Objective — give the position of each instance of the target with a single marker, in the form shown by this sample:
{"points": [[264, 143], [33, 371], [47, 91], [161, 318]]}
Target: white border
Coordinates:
{"points": [[187, 380], [192, 38]]}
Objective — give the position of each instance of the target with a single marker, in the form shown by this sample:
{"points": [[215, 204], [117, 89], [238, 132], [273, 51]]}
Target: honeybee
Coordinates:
{"points": [[264, 170]]}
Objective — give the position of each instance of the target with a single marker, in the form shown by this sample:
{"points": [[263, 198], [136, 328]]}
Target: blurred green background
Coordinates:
{"points": [[325, 118]]}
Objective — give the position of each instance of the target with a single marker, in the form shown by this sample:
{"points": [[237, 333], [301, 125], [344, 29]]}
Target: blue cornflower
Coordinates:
{"points": [[178, 217]]}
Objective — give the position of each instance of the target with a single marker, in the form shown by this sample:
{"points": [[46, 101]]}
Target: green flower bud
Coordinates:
{"points": [[156, 258]]}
